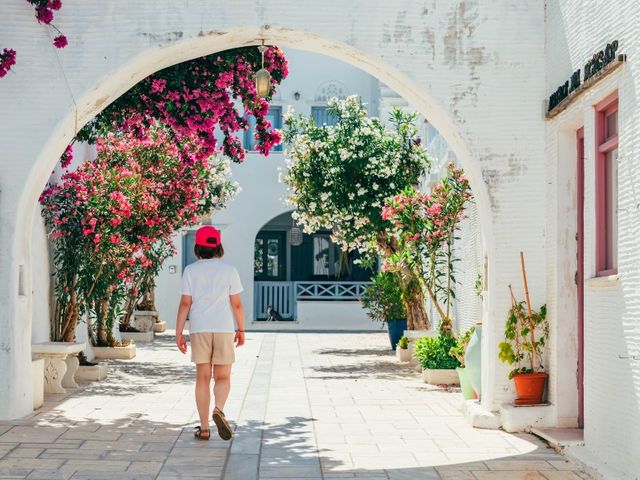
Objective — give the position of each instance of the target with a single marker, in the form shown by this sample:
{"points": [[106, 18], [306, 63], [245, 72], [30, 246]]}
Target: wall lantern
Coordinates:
{"points": [[296, 96], [263, 77]]}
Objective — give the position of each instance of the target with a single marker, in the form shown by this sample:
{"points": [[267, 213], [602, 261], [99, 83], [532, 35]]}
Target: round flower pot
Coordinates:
{"points": [[396, 329], [465, 384], [529, 387]]}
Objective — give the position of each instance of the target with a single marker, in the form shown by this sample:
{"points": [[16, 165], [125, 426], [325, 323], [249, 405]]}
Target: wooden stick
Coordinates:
{"points": [[513, 297], [526, 286], [534, 354]]}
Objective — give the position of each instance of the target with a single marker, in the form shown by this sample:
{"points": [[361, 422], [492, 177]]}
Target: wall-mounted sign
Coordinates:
{"points": [[600, 64]]}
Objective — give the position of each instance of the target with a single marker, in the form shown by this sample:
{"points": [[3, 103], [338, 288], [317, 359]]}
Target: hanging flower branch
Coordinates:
{"points": [[44, 14], [196, 97]]}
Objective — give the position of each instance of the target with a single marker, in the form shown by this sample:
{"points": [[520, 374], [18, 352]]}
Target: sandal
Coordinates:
{"points": [[224, 429], [201, 434]]}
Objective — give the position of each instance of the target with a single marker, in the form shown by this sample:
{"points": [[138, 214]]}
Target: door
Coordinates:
{"points": [[270, 257], [580, 269]]}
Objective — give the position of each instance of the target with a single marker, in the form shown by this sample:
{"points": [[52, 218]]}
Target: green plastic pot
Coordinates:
{"points": [[472, 360], [465, 384]]}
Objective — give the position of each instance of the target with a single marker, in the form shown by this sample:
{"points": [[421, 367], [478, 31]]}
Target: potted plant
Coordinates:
{"points": [[526, 333], [383, 301], [458, 351], [438, 366], [403, 354]]}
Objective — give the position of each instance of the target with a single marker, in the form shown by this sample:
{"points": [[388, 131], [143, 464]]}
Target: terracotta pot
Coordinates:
{"points": [[529, 387]]}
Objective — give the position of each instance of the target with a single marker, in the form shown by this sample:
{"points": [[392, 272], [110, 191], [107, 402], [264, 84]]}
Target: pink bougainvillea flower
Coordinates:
{"points": [[7, 60], [60, 41]]}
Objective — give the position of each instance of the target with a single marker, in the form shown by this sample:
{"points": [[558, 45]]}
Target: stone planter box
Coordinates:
{"points": [[403, 355], [137, 336], [159, 327], [115, 353], [37, 380], [440, 376], [144, 320], [91, 373], [60, 364]]}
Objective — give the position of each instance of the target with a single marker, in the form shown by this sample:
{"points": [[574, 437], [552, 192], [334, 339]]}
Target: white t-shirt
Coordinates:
{"points": [[209, 283]]}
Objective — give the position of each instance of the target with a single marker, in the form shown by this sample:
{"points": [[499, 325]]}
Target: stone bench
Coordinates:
{"points": [[60, 364]]}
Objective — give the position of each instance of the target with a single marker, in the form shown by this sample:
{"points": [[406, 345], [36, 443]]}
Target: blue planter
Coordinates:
{"points": [[396, 330]]}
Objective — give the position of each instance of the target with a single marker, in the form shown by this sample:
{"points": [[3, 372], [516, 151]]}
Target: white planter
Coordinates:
{"points": [[144, 320], [91, 373], [159, 327], [403, 355], [137, 336], [37, 380], [60, 364], [440, 376], [115, 353]]}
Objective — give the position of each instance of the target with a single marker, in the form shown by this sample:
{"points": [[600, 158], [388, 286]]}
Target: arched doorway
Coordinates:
{"points": [[426, 82]]}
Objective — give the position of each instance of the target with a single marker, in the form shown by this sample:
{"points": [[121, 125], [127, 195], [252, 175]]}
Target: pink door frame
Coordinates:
{"points": [[580, 272]]}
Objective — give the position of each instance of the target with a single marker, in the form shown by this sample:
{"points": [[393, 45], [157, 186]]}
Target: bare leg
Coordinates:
{"points": [[222, 385], [203, 393]]}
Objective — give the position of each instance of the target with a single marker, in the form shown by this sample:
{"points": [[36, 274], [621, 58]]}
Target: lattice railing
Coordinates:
{"points": [[329, 290]]}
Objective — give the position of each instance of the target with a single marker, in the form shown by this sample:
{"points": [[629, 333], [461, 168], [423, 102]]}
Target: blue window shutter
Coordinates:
{"points": [[274, 116]]}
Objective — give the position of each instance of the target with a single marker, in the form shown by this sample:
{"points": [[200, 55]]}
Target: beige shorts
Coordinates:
{"points": [[215, 348]]}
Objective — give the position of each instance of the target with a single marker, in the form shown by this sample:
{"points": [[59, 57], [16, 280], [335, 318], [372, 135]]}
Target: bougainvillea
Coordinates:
{"points": [[44, 14], [197, 97], [108, 219], [424, 227], [7, 60], [339, 177]]}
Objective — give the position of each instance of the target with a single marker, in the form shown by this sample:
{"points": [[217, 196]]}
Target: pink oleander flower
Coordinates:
{"points": [[60, 41], [66, 157]]}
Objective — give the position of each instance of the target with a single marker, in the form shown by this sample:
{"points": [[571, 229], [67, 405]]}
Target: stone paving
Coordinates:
{"points": [[306, 406]]}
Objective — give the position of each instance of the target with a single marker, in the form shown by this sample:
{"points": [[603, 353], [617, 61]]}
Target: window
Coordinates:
{"points": [[274, 116], [322, 116], [607, 185]]}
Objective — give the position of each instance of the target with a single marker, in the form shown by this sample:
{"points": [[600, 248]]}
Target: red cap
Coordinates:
{"points": [[208, 236]]}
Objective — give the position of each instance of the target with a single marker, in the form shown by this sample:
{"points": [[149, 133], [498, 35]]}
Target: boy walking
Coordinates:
{"points": [[211, 299]]}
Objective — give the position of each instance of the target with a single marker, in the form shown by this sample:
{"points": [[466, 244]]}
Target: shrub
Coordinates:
{"points": [[383, 298], [403, 343], [434, 352]]}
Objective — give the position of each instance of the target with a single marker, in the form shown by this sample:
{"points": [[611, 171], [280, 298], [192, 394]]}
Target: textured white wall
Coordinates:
{"points": [[468, 251], [612, 308], [41, 286], [459, 63]]}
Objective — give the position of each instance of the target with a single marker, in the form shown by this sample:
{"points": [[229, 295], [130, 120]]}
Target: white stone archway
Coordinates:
{"points": [[445, 60]]}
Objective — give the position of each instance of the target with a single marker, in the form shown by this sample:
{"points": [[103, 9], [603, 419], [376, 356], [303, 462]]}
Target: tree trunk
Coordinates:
{"points": [[417, 318], [148, 301]]}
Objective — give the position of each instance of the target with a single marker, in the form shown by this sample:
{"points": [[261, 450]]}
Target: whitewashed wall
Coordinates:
{"points": [[41, 286], [468, 251], [612, 305]]}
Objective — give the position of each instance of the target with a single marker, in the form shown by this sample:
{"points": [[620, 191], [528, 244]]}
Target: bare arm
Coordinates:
{"points": [[238, 313], [183, 311]]}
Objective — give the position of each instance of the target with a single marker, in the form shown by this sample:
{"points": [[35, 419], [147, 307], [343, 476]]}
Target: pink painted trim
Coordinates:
{"points": [[604, 108], [580, 272], [607, 102]]}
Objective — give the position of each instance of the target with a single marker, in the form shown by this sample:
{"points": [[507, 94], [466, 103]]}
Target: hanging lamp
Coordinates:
{"points": [[263, 77]]}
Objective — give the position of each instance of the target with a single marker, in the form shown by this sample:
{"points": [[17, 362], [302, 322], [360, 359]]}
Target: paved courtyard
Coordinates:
{"points": [[306, 406]]}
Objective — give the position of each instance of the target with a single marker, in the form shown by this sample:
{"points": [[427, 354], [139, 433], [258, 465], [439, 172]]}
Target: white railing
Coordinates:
{"points": [[329, 290], [282, 296], [277, 295]]}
